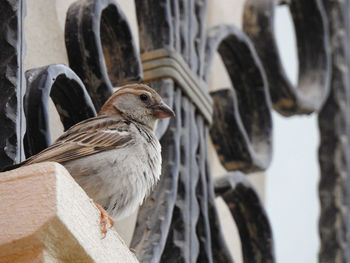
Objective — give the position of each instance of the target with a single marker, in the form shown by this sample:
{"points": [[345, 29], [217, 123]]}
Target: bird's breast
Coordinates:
{"points": [[120, 179]]}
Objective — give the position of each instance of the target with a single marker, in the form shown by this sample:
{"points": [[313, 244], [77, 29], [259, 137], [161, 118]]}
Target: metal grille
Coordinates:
{"points": [[179, 222]]}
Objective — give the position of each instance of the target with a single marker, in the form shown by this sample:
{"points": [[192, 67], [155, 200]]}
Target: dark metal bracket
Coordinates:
{"points": [[165, 63], [12, 83], [67, 92], [313, 53], [101, 48], [242, 122], [250, 217]]}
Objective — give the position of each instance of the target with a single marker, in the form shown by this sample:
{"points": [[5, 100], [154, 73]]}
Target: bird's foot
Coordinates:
{"points": [[104, 219]]}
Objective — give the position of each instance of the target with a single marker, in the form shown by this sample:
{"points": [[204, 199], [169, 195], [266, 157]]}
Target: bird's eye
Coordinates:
{"points": [[144, 97]]}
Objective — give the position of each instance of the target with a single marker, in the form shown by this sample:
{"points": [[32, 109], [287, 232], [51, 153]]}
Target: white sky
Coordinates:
{"points": [[292, 179]]}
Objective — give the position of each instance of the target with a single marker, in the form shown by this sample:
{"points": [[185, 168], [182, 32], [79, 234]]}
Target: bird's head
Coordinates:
{"points": [[137, 102]]}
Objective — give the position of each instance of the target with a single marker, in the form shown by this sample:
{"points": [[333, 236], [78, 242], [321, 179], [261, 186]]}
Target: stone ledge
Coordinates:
{"points": [[46, 217]]}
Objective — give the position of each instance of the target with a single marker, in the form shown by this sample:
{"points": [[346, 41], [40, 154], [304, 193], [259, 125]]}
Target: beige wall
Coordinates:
{"points": [[44, 33]]}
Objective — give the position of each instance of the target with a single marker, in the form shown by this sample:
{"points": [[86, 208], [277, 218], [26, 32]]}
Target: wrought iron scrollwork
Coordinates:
{"points": [[12, 84], [67, 92], [333, 120], [242, 127], [313, 53], [179, 222], [100, 47], [165, 63], [251, 219], [178, 212]]}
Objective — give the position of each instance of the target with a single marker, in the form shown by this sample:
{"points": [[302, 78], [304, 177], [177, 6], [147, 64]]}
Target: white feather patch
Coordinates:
{"points": [[122, 133]]}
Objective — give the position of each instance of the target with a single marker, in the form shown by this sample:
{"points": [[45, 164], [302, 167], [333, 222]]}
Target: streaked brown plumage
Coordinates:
{"points": [[115, 157]]}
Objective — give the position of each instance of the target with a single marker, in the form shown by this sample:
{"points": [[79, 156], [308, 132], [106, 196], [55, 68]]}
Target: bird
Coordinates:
{"points": [[115, 157]]}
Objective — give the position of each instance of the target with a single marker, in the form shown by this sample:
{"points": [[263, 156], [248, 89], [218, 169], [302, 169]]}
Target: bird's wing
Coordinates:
{"points": [[86, 138]]}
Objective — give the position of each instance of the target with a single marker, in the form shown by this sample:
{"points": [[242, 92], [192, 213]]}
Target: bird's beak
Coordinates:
{"points": [[162, 111]]}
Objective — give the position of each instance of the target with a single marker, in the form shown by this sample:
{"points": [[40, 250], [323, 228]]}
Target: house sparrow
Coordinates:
{"points": [[115, 157]]}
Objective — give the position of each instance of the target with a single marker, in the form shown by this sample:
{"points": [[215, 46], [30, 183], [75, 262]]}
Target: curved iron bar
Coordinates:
{"points": [[153, 217], [250, 216], [100, 47], [12, 84], [313, 54], [242, 126], [213, 247], [186, 209], [69, 96], [156, 30], [334, 156]]}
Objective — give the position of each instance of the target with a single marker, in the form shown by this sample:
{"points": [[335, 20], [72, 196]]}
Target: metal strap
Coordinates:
{"points": [[163, 63]]}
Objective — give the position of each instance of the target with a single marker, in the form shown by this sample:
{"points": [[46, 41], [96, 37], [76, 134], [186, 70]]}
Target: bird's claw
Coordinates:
{"points": [[104, 219]]}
